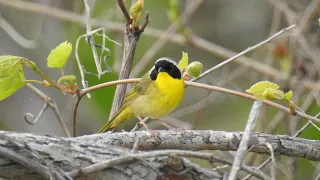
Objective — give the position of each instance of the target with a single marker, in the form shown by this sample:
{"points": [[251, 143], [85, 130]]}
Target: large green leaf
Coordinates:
{"points": [[11, 75]]}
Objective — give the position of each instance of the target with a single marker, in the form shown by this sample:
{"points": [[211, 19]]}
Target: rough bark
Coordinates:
{"points": [[211, 140], [70, 154]]}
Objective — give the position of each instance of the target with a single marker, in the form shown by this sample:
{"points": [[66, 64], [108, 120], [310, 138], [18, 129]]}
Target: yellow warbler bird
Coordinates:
{"points": [[156, 94]]}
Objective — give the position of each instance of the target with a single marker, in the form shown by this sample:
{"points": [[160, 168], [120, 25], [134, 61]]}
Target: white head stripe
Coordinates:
{"points": [[168, 59]]}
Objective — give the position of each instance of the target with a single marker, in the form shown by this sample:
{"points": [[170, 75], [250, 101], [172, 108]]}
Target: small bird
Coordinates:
{"points": [[156, 94]]}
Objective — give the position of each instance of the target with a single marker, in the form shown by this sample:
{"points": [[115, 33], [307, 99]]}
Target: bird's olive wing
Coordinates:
{"points": [[139, 88]]}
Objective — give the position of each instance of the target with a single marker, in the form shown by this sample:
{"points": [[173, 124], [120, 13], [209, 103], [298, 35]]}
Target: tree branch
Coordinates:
{"points": [[131, 37], [70, 156], [244, 143], [111, 153], [211, 140]]}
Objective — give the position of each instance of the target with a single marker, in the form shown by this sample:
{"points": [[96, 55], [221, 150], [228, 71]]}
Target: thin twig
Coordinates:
{"points": [[33, 120], [92, 41], [74, 117], [253, 116], [244, 52], [273, 167], [124, 11], [52, 105]]}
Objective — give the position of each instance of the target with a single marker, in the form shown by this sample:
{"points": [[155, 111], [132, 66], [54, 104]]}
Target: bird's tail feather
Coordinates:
{"points": [[122, 115]]}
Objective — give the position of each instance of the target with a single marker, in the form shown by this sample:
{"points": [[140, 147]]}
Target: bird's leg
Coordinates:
{"points": [[170, 128], [165, 125], [145, 126]]}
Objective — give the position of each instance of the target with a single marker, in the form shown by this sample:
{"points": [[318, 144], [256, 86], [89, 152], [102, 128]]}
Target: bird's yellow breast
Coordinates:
{"points": [[165, 94]]}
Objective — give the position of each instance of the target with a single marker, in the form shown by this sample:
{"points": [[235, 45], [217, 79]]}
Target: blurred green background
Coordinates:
{"points": [[232, 25]]}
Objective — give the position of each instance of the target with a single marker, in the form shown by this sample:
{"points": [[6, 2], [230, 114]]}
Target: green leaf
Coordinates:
{"points": [[172, 10], [183, 63], [68, 80], [288, 95], [59, 56], [273, 94], [11, 75], [135, 11], [194, 69], [258, 89]]}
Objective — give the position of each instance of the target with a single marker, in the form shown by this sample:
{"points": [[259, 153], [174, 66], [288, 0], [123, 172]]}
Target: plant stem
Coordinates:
{"points": [[34, 68], [34, 81]]}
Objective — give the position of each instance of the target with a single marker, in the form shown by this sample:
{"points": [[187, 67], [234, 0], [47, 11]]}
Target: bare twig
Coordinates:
{"points": [[244, 52], [253, 116], [124, 11], [33, 120], [52, 105], [91, 38], [273, 168], [74, 115], [211, 97]]}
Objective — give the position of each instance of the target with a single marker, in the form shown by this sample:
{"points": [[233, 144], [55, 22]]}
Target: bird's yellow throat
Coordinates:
{"points": [[169, 85]]}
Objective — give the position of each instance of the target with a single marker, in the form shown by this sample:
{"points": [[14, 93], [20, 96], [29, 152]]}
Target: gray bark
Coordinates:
{"points": [[70, 154], [211, 140]]}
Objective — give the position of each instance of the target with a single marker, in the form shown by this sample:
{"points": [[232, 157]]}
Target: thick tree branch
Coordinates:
{"points": [[72, 155], [190, 140]]}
